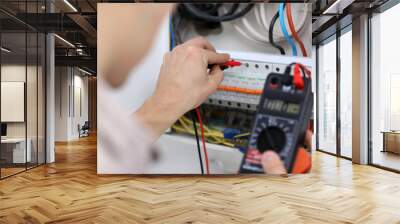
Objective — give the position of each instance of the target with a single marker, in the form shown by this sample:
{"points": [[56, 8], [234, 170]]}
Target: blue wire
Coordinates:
{"points": [[172, 33], [284, 30]]}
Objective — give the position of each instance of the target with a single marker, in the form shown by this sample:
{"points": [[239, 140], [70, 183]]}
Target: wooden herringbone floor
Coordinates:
{"points": [[69, 191]]}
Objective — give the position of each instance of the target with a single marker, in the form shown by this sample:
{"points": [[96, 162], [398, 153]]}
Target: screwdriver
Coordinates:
{"points": [[228, 64]]}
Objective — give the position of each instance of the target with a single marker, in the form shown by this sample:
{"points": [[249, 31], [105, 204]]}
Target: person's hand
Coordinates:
{"points": [[272, 163], [184, 83], [184, 77]]}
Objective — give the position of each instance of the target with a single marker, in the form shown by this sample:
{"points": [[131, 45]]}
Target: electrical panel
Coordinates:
{"points": [[242, 86]]}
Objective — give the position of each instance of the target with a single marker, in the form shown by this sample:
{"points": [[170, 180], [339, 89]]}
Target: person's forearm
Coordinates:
{"points": [[158, 114]]}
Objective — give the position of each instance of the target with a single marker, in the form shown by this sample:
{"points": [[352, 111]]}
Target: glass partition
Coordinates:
{"points": [[14, 153], [327, 97], [346, 94], [32, 95], [22, 101], [41, 111]]}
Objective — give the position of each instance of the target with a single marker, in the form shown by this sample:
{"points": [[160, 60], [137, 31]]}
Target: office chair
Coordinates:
{"points": [[84, 130]]}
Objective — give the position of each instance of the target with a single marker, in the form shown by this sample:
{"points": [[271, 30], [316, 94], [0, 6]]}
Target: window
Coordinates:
{"points": [[346, 74], [327, 97], [385, 89]]}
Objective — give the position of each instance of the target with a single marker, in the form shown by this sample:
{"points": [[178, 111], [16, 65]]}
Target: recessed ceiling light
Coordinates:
{"points": [[70, 5], [5, 50], [64, 40], [337, 7], [84, 71]]}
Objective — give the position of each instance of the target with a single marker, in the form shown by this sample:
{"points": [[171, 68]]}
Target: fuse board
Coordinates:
{"points": [[242, 86]]}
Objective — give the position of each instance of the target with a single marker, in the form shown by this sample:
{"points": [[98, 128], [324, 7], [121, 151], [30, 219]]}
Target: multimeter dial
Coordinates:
{"points": [[271, 138], [273, 133]]}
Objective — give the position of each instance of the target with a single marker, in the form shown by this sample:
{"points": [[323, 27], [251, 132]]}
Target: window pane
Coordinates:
{"points": [[327, 97], [31, 99], [346, 94], [385, 89], [14, 153], [41, 98]]}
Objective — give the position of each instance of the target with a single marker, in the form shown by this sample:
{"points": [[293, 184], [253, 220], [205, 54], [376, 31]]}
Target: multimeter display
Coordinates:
{"points": [[280, 123], [281, 106]]}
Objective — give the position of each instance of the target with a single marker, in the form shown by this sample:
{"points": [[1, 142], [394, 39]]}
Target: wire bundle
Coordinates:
{"points": [[248, 30], [211, 135], [210, 12], [215, 13]]}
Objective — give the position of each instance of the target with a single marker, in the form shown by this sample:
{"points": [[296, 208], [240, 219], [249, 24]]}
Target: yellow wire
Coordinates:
{"points": [[241, 135], [187, 123], [212, 138], [206, 128], [191, 131]]}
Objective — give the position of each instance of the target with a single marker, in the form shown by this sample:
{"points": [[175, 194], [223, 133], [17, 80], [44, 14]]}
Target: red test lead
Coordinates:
{"points": [[298, 81], [232, 63], [228, 64]]}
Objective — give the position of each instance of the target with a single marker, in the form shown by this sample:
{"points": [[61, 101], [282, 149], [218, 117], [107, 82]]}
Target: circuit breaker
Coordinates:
{"points": [[242, 86]]}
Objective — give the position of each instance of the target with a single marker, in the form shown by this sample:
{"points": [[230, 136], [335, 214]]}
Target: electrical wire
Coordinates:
{"points": [[293, 29], [172, 31], [193, 115], [257, 15], [208, 131], [253, 31], [212, 136], [203, 139], [284, 30], [233, 9], [242, 135], [246, 28], [198, 13], [271, 34], [246, 35]]}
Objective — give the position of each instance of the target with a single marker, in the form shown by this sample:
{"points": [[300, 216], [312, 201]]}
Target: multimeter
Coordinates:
{"points": [[281, 120]]}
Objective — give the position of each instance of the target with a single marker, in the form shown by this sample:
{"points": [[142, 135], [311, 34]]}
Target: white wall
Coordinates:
{"points": [[62, 81], [70, 84], [11, 73], [17, 73]]}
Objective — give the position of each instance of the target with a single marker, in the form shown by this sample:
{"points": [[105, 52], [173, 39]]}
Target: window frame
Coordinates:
{"points": [[334, 37]]}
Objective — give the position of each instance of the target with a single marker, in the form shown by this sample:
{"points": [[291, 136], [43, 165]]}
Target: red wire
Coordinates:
{"points": [[202, 139], [293, 29]]}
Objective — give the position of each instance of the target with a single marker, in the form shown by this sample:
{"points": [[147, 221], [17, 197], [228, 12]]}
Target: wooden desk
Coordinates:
{"points": [[391, 141]]}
